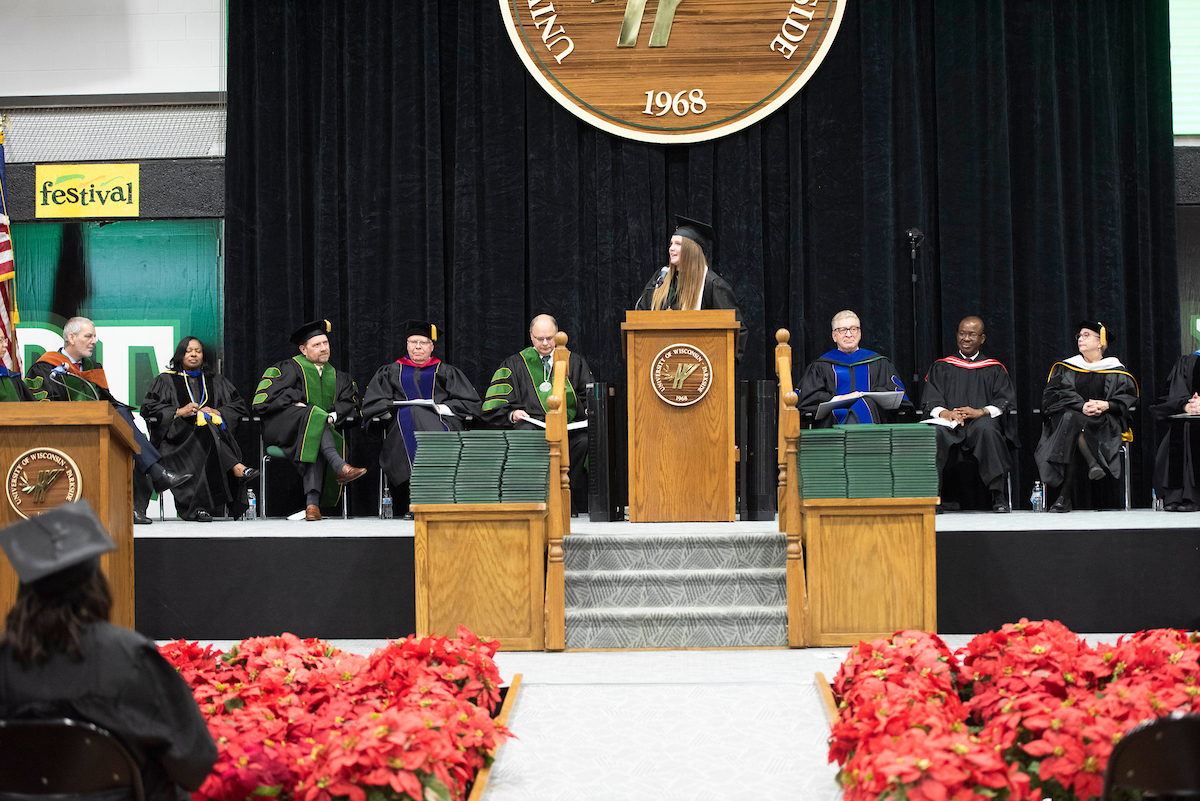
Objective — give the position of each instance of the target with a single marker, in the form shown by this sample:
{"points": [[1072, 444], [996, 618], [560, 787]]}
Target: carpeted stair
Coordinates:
{"points": [[675, 586]]}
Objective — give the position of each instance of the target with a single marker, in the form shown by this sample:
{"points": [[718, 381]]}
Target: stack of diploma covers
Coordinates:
{"points": [[869, 461], [822, 463], [435, 467], [526, 467], [914, 461], [479, 467]]}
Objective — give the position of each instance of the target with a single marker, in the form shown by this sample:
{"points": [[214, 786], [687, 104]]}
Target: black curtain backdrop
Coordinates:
{"points": [[389, 160]]}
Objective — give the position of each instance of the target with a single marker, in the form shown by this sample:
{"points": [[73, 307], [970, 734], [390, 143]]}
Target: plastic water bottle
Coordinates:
{"points": [[1156, 502], [386, 504], [1038, 498], [252, 509]]}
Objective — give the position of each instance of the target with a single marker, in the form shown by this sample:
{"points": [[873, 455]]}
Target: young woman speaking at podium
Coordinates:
{"points": [[687, 282]]}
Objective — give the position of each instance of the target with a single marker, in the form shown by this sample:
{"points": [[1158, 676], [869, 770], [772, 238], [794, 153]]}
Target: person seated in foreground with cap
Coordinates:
{"points": [[193, 413], [1085, 410], [60, 657], [522, 383], [972, 395], [12, 385], [449, 398], [70, 374], [1177, 463], [687, 282], [303, 401], [846, 369]]}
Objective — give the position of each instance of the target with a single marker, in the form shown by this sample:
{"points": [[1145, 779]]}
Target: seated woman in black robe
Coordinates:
{"points": [[60, 657], [12, 385], [1177, 464], [1085, 411], [193, 414]]}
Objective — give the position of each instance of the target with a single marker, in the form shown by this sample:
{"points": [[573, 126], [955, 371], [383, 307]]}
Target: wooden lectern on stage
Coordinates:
{"points": [[97, 443], [681, 449]]}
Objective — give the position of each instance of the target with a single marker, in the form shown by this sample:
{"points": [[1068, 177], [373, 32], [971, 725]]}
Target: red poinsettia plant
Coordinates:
{"points": [[1027, 712], [300, 719]]}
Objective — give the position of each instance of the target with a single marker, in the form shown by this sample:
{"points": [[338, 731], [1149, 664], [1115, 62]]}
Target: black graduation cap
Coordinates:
{"points": [[421, 328], [1104, 332], [309, 330], [55, 540], [698, 232]]}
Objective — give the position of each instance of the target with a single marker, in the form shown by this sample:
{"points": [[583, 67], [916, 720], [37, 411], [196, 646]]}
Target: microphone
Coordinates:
{"points": [[915, 234], [662, 276]]}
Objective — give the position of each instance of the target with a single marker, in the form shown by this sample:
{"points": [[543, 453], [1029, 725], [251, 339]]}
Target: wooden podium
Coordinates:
{"points": [[681, 430], [101, 446]]}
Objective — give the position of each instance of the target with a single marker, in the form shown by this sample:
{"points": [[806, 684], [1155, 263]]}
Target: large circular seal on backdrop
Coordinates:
{"points": [[681, 374], [672, 70], [40, 479]]}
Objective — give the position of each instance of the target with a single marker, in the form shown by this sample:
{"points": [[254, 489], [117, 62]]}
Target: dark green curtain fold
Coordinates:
{"points": [[389, 160]]}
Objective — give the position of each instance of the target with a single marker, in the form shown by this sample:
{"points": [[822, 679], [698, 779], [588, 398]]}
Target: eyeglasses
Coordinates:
{"points": [[420, 343], [1085, 335], [853, 329], [543, 339], [968, 337]]}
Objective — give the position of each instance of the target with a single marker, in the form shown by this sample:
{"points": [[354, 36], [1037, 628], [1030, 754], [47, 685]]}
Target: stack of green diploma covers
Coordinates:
{"points": [[479, 467], [914, 461], [868, 461], [434, 469], [822, 463], [526, 468]]}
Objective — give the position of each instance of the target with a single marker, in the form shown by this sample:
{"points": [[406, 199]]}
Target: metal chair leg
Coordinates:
{"points": [[162, 515], [263, 458], [346, 490], [1008, 487], [1127, 480]]}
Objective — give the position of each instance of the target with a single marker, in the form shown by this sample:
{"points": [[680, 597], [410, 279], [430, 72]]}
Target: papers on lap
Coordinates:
{"points": [[885, 400], [578, 424], [941, 421]]}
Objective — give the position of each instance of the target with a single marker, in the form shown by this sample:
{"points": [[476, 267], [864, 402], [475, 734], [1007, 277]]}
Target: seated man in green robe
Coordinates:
{"points": [[521, 385], [301, 401]]}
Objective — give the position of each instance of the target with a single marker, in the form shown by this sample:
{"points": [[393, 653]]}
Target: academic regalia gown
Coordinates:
{"points": [[297, 430], [405, 380], [1071, 383], [953, 382], [125, 686], [12, 386], [837, 373], [717, 294], [205, 448], [89, 383], [515, 385], [1177, 464]]}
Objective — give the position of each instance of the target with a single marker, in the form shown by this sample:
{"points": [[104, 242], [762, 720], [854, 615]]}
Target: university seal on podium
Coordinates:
{"points": [[672, 70], [681, 374], [40, 479]]}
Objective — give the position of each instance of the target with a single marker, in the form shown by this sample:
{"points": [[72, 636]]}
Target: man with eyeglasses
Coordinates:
{"points": [[441, 396], [521, 385], [969, 397], [846, 369], [303, 401]]}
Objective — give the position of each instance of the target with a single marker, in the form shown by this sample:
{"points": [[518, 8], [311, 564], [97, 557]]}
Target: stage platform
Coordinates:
{"points": [[1094, 571]]}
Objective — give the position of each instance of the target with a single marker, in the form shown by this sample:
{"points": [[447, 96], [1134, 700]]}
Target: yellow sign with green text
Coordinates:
{"points": [[87, 190]]}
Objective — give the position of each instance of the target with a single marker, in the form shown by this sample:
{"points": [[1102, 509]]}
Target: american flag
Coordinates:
{"points": [[8, 276]]}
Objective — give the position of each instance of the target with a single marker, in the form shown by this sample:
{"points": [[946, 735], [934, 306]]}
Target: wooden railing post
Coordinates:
{"points": [[797, 591], [783, 369], [558, 517]]}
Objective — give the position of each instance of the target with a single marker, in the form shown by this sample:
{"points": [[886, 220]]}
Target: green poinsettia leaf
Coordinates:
{"points": [[272, 791], [435, 790], [233, 703], [986, 791], [230, 655]]}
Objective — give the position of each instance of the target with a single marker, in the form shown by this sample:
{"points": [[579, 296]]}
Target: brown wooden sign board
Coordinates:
{"points": [[672, 70]]}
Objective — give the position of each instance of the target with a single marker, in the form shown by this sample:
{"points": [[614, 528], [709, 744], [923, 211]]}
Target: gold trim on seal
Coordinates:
{"points": [[681, 374], [41, 479]]}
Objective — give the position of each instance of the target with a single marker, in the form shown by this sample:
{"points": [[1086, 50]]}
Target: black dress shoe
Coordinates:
{"points": [[1187, 506], [201, 516], [1172, 507], [141, 518], [169, 480], [1061, 504], [249, 474], [1000, 503], [1095, 472]]}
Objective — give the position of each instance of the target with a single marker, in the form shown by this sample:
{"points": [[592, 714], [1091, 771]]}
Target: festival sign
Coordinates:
{"points": [[672, 70], [95, 191]]}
